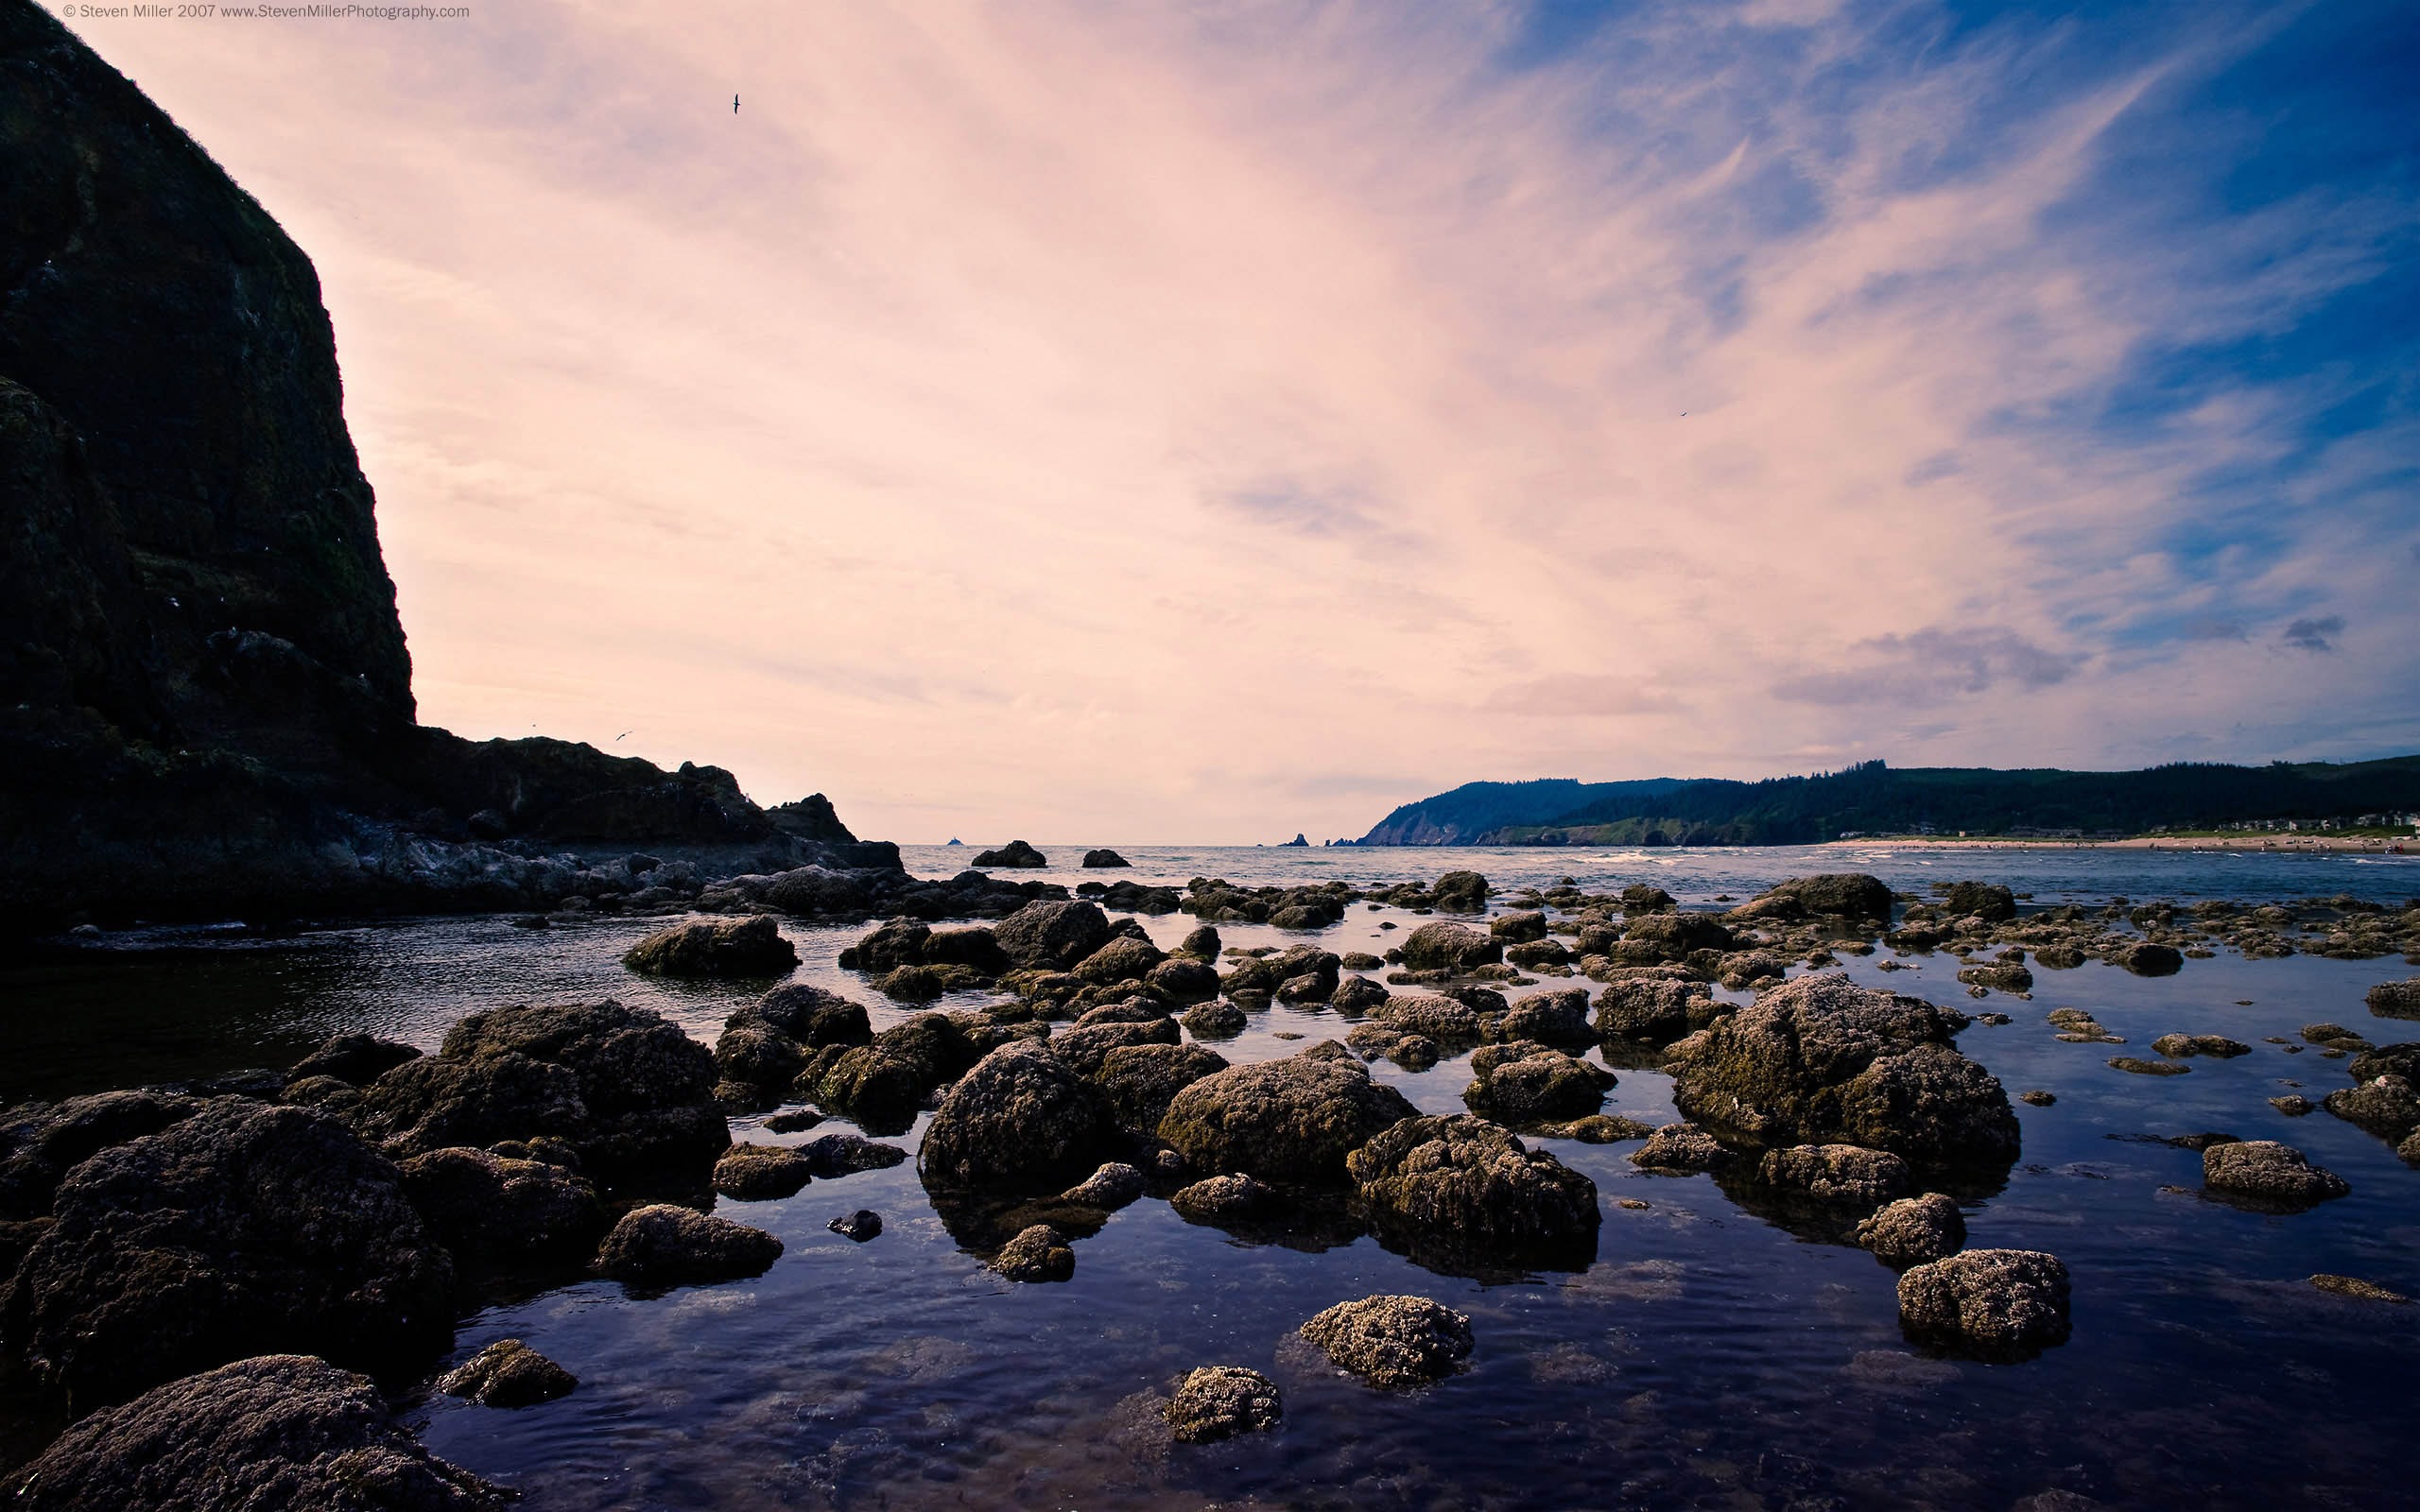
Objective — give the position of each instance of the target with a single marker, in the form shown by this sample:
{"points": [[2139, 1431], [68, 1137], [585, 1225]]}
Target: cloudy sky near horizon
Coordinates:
{"points": [[1202, 422]]}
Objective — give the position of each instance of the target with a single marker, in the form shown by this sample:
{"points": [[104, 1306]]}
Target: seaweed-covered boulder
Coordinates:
{"points": [[1052, 936], [2401, 1059], [1022, 1120], [1269, 974], [1681, 1148], [1846, 894], [747, 947], [507, 1373], [1441, 946], [1393, 1343], [1086, 1046], [1915, 1230], [1821, 1061], [1014, 854], [626, 1087], [1675, 935], [1356, 995], [1986, 901], [1556, 1018], [274, 1431], [1222, 1199], [1292, 1121], [1520, 925], [1037, 1253], [247, 1226], [1440, 1019], [39, 1145], [761, 1173], [2385, 1105], [1122, 959], [811, 1015], [359, 1058], [1990, 1301], [2266, 1174], [2148, 958], [1139, 1081], [1464, 1195], [491, 1210], [1525, 1083], [1836, 1173], [1214, 1020], [2395, 1000], [975, 947], [2214, 1045], [1220, 1402], [1652, 1007], [669, 1245], [1180, 979], [839, 1154], [1460, 892], [893, 943]]}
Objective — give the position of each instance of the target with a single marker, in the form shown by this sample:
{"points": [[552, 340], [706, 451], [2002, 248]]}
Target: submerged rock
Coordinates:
{"points": [[1393, 1342], [1462, 1194], [1221, 1400], [2265, 1174], [246, 1227], [2355, 1287], [1820, 1059], [2140, 1067], [507, 1373], [1038, 1253], [1994, 1301], [1022, 1118], [720, 948], [1293, 1120], [668, 1246], [276, 1431], [839, 1154], [1915, 1230], [859, 1226]]}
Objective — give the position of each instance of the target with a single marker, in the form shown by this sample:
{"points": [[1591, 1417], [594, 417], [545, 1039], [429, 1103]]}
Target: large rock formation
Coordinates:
{"points": [[205, 699]]}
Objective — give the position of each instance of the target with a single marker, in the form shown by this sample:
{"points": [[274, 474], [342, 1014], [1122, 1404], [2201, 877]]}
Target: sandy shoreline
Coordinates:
{"points": [[2278, 843]]}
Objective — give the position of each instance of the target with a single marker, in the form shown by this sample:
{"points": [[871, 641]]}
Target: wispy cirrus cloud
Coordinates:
{"points": [[1015, 398]]}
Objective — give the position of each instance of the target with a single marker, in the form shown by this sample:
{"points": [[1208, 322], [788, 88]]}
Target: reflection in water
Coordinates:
{"points": [[1722, 1349]]}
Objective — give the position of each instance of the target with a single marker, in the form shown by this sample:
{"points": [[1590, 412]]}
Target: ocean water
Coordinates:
{"points": [[1709, 1357]]}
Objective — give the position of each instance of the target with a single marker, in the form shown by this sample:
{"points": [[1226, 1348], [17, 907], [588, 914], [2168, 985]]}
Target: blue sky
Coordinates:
{"points": [[1214, 421]]}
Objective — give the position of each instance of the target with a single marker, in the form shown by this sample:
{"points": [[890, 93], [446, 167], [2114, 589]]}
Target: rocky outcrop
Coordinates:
{"points": [[276, 1431], [247, 1226], [1463, 1195], [1447, 947], [726, 948], [1221, 1400], [1021, 1119], [494, 1213], [1016, 853], [1393, 1343], [1037, 1253], [2395, 1000], [1915, 1230], [1820, 1061], [1836, 1173], [2265, 1174], [39, 1145], [1992, 1302], [1106, 858], [1288, 1121], [1845, 894], [629, 1091], [1656, 1008], [1524, 1083], [1047, 936]]}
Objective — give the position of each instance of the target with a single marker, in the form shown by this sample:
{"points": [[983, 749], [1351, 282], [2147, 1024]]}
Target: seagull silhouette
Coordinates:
{"points": [[735, 105], [617, 739]]}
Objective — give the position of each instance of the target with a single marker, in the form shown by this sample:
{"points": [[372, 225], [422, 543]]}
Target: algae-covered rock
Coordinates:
{"points": [[1681, 1148], [2266, 1174], [1915, 1230], [507, 1373], [1462, 1193], [720, 948], [268, 1432], [1022, 1119], [668, 1246], [1836, 1173], [1441, 946], [1525, 1083], [1139, 1081], [1052, 936], [1293, 1120], [1393, 1343], [1037, 1253], [496, 1212], [1220, 1402], [1990, 1301], [760, 1173]]}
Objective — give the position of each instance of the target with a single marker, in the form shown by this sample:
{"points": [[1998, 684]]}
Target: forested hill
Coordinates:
{"points": [[1875, 798]]}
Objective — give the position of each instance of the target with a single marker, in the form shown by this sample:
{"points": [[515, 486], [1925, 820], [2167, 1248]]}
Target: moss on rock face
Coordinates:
{"points": [[1464, 1195], [1393, 1343], [1291, 1121], [1221, 1400], [1022, 1119]]}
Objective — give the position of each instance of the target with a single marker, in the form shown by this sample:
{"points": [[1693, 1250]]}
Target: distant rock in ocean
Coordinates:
{"points": [[955, 840], [1298, 839]]}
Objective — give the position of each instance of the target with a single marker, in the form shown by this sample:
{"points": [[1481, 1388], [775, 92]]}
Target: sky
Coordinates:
{"points": [[1200, 422]]}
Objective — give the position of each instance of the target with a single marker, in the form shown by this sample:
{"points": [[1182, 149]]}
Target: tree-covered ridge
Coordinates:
{"points": [[1875, 798]]}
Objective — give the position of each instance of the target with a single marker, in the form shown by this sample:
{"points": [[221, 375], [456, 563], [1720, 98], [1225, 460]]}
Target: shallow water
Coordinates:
{"points": [[1707, 1358]]}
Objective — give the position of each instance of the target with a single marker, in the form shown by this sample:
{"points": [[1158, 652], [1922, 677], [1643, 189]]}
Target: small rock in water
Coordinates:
{"points": [[1633, 1204], [668, 1246], [1393, 1342], [732, 948], [1915, 1230], [2269, 1175], [2200, 1044], [1836, 1173], [1681, 1148], [2355, 1287], [862, 1224], [1224, 1198], [837, 1155], [1036, 1254], [758, 1173], [2038, 1097], [1994, 1301], [2148, 1068], [797, 1121], [1112, 1187], [1221, 1400], [2294, 1105], [507, 1373]]}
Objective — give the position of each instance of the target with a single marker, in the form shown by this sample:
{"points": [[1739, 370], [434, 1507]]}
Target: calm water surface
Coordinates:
{"points": [[1708, 1358]]}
